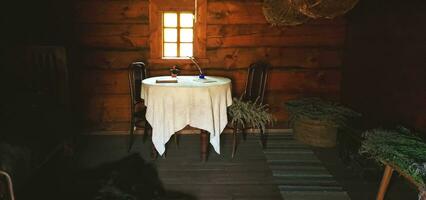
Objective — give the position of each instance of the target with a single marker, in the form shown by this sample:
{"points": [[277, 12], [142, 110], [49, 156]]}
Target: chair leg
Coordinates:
{"points": [[145, 131], [263, 138], [235, 142], [131, 135], [176, 135]]}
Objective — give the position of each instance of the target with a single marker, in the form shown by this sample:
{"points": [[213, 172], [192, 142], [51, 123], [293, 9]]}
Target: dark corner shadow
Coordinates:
{"points": [[130, 178]]}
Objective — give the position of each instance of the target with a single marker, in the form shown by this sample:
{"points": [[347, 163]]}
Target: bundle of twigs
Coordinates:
{"points": [[399, 148]]}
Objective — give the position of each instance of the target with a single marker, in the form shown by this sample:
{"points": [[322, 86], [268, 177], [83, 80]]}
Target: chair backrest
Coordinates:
{"points": [[137, 72], [256, 81], [47, 72]]}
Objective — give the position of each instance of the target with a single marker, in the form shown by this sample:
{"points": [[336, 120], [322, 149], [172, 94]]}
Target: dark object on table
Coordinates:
{"points": [[174, 71], [254, 91], [36, 113]]}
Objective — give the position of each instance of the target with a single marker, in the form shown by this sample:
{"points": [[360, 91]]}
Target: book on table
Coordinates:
{"points": [[166, 81]]}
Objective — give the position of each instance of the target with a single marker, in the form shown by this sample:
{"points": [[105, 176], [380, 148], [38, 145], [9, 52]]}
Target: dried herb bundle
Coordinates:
{"points": [[318, 109], [249, 114], [400, 148]]}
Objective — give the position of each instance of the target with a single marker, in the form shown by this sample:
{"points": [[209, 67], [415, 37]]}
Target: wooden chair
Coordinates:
{"points": [[137, 72], [6, 186], [49, 82], [49, 79], [47, 71], [254, 90]]}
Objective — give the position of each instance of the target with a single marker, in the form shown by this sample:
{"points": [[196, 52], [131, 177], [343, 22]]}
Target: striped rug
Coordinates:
{"points": [[298, 172]]}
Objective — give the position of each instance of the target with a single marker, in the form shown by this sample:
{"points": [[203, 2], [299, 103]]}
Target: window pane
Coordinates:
{"points": [[170, 35], [186, 20], [186, 35], [185, 49], [170, 50], [170, 19]]}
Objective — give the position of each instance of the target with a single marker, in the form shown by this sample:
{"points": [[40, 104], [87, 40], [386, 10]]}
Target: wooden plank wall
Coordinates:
{"points": [[110, 34]]}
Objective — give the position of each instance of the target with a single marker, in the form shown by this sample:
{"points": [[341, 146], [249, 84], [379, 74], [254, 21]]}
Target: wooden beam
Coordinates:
{"points": [[237, 58], [103, 109], [334, 39], [234, 12], [135, 11], [125, 42], [111, 59], [104, 82], [200, 29], [247, 12]]}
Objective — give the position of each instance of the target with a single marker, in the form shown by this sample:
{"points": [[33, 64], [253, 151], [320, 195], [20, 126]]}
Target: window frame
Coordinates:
{"points": [[178, 40], [156, 9]]}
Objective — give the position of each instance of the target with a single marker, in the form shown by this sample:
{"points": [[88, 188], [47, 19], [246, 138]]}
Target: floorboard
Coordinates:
{"points": [[286, 170], [246, 177]]}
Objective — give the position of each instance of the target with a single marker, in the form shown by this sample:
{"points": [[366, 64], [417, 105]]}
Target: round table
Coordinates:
{"points": [[199, 103]]}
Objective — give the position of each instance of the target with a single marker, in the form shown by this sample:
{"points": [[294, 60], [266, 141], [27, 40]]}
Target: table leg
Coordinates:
{"points": [[154, 152], [387, 175], [204, 143]]}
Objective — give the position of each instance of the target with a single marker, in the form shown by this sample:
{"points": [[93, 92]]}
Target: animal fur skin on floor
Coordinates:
{"points": [[130, 178]]}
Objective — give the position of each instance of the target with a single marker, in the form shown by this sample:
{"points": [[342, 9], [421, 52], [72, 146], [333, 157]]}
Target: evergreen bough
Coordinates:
{"points": [[398, 147]]}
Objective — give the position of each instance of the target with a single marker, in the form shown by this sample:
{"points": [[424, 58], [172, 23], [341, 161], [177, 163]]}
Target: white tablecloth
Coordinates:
{"points": [[172, 106]]}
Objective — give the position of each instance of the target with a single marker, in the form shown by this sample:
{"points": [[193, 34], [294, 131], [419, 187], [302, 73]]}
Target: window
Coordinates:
{"points": [[177, 30], [178, 34]]}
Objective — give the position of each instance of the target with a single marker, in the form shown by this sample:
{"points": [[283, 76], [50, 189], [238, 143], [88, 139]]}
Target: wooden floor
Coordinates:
{"points": [[246, 177], [285, 168]]}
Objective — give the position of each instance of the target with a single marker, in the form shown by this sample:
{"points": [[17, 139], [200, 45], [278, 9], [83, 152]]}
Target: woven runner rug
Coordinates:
{"points": [[298, 173]]}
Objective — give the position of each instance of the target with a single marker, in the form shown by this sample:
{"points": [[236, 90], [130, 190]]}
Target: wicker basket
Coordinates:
{"points": [[282, 13], [324, 8], [315, 133]]}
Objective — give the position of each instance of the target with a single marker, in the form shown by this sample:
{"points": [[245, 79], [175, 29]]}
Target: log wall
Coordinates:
{"points": [[110, 34]]}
